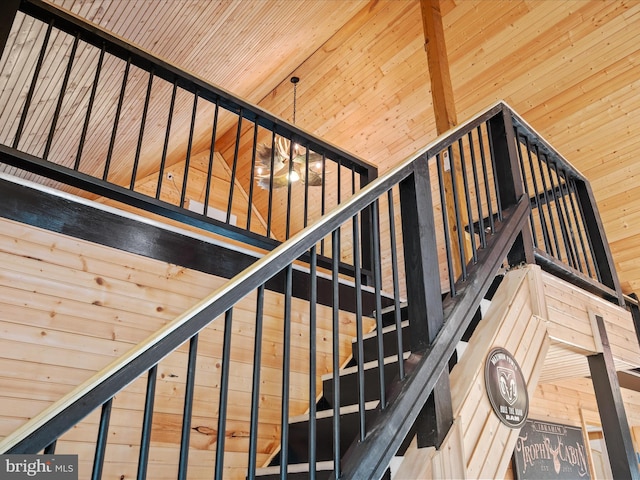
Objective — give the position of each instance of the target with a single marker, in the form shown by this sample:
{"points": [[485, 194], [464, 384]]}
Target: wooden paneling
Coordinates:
{"points": [[570, 68], [68, 308], [525, 317], [569, 309], [486, 444]]}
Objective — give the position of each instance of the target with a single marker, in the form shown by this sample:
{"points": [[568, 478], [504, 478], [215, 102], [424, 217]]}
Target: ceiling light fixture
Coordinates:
{"points": [[289, 163]]}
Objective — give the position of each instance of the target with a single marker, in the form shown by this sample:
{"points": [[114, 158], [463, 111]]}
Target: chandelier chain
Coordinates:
{"points": [[295, 81]]}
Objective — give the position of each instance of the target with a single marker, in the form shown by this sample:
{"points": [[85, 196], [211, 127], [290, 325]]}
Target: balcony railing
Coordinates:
{"points": [[115, 122], [566, 230]]}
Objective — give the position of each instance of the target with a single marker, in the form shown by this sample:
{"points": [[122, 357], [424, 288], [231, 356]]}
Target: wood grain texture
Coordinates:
{"points": [[69, 307], [553, 367], [569, 68]]}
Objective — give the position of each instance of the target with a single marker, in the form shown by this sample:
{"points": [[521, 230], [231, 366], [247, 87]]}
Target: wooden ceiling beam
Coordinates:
{"points": [[445, 115], [441, 89]]}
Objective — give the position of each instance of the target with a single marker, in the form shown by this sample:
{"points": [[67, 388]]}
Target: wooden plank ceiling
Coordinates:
{"points": [[570, 68]]}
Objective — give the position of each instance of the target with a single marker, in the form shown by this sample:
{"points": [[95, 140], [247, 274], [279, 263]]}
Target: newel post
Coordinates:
{"points": [[424, 295], [8, 10], [509, 181]]}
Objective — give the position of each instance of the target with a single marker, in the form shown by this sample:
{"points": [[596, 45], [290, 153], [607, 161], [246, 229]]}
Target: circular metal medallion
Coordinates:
{"points": [[506, 388]]}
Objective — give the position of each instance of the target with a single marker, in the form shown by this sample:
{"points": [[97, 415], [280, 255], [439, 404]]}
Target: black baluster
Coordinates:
{"points": [[485, 176], [465, 181], [445, 227], [359, 333], [187, 159], [145, 110], [92, 97], [286, 375], [476, 183], [543, 220], [63, 89], [224, 394], [377, 282], [313, 300], [101, 442], [525, 182], [183, 462], [32, 87], [252, 174], [255, 388], [165, 147], [207, 190], [579, 225], [547, 202], [234, 167], [271, 172], [335, 283], [147, 423], [116, 121], [396, 284]]}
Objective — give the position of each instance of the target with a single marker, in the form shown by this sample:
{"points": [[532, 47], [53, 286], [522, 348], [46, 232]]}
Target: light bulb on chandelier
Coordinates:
{"points": [[285, 163]]}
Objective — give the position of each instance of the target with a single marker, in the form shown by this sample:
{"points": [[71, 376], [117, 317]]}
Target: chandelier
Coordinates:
{"points": [[282, 163]]}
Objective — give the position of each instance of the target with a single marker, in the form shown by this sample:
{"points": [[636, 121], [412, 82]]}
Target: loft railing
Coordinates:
{"points": [[567, 233], [475, 172], [212, 160]]}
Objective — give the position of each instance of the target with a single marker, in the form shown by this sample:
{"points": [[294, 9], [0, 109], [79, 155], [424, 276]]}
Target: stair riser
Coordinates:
{"points": [[389, 342], [299, 432], [349, 385]]}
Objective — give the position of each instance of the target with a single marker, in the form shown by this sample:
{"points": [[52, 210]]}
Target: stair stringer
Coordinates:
{"points": [[479, 445]]}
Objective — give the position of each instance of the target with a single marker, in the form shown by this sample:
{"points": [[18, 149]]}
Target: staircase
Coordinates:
{"points": [[347, 388], [349, 407]]}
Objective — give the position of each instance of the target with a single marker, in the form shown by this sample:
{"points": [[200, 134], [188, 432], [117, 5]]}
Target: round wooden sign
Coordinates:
{"points": [[506, 388]]}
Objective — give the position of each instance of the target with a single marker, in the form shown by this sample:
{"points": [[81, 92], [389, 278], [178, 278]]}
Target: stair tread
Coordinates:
{"points": [[388, 328], [367, 366], [295, 468], [345, 410]]}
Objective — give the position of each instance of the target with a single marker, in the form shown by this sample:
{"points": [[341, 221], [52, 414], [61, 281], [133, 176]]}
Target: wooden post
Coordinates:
{"points": [[445, 115], [441, 90], [509, 180], [611, 408]]}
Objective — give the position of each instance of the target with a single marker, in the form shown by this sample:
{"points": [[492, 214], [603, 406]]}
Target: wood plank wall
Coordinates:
{"points": [[68, 307], [535, 316]]}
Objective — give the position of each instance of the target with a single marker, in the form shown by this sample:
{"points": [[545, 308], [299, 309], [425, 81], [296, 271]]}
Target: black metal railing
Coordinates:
{"points": [[567, 233], [478, 188], [116, 122]]}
